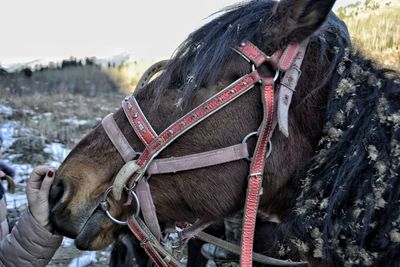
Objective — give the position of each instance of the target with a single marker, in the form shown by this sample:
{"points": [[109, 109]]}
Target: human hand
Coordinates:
{"points": [[37, 191]]}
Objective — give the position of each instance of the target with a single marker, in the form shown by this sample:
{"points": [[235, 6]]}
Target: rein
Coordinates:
{"points": [[134, 175]]}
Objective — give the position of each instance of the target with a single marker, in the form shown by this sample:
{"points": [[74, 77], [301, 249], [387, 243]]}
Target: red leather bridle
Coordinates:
{"points": [[132, 175]]}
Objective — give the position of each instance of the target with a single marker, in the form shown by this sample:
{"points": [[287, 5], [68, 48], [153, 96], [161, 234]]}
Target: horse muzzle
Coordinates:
{"points": [[63, 220]]}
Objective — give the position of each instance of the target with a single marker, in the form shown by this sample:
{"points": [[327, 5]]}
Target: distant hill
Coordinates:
{"points": [[375, 28], [37, 64], [69, 78]]}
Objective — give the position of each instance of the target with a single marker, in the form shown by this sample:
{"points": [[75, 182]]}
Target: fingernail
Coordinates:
{"points": [[50, 173]]}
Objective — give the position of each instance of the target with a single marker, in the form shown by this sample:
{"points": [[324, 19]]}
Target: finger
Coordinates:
{"points": [[46, 185], [38, 173], [36, 178]]}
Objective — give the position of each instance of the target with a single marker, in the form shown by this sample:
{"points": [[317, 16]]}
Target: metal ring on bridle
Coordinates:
{"points": [[105, 206], [247, 137], [276, 76]]}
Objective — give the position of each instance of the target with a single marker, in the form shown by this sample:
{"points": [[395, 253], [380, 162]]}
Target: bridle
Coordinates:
{"points": [[134, 175]]}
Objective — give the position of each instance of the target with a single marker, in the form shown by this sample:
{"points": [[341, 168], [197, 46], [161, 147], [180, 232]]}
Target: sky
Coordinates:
{"points": [[57, 29]]}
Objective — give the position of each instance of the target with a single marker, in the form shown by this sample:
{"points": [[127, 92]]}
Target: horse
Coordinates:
{"points": [[332, 180]]}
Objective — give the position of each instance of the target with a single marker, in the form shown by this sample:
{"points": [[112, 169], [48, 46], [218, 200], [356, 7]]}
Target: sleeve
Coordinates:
{"points": [[29, 244]]}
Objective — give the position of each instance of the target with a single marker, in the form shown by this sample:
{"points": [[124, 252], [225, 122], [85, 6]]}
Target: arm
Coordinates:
{"points": [[31, 243]]}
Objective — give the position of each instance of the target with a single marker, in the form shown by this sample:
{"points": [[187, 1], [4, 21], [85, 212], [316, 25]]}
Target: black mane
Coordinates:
{"points": [[201, 57], [349, 209]]}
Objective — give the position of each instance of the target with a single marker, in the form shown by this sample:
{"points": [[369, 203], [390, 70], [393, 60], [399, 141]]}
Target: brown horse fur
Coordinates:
{"points": [[202, 66]]}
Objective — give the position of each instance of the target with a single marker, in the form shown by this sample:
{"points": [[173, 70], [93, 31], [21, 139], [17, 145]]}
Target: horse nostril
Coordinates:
{"points": [[56, 193]]}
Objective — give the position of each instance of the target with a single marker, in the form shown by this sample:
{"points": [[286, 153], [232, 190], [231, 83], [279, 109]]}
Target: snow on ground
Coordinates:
{"points": [[16, 201], [67, 255], [10, 130], [6, 111], [85, 259], [7, 131], [58, 152], [75, 121]]}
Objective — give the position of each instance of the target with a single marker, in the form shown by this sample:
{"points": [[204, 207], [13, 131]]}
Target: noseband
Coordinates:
{"points": [[134, 175]]}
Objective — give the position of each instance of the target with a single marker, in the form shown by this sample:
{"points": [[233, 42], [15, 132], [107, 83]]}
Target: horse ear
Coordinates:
{"points": [[298, 19]]}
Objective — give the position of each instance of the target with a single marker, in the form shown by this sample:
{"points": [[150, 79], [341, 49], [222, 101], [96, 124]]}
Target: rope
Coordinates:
{"points": [[256, 256]]}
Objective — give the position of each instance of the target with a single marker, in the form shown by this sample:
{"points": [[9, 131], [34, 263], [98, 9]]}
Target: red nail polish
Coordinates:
{"points": [[50, 173]]}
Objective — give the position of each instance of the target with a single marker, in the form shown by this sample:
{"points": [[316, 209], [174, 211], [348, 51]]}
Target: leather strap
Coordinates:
{"points": [[152, 247], [256, 174], [147, 207], [251, 53], [288, 56], [281, 59], [274, 59], [117, 138], [197, 115], [199, 160], [138, 121], [143, 190], [288, 86], [172, 164], [168, 165]]}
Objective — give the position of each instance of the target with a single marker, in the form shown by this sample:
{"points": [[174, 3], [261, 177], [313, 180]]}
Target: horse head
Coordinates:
{"points": [[203, 65]]}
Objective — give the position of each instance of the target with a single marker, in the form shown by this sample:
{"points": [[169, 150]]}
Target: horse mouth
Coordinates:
{"points": [[90, 230], [84, 228]]}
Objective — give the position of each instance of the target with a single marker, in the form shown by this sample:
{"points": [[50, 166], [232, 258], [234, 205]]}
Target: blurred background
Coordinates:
{"points": [[66, 64]]}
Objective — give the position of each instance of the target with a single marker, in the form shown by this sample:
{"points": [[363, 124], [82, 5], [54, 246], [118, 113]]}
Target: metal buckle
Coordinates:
{"points": [[144, 241], [255, 174], [105, 206]]}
